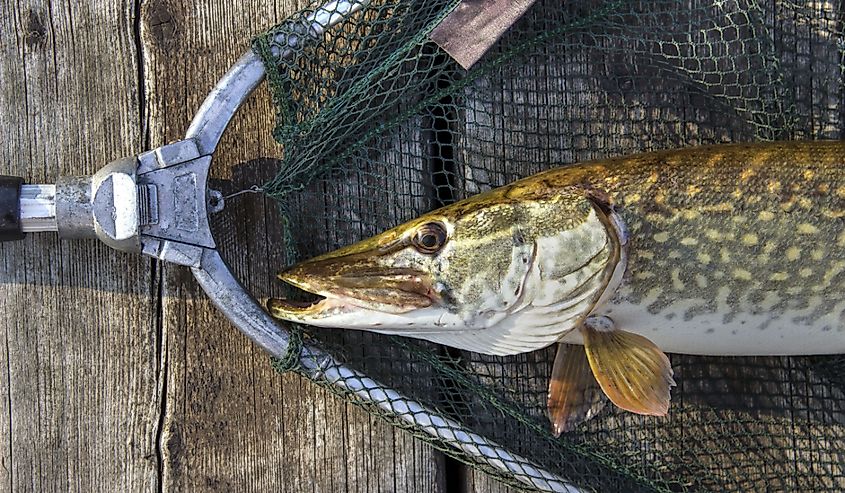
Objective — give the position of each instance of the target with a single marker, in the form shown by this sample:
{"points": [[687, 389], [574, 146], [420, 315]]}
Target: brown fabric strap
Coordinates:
{"points": [[472, 28]]}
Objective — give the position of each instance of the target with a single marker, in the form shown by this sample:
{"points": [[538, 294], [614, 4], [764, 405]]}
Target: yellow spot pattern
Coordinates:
{"points": [[766, 216], [754, 226], [747, 174], [807, 229], [691, 214]]}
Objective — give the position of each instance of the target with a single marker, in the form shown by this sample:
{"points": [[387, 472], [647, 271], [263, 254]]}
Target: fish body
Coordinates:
{"points": [[733, 250], [725, 250]]}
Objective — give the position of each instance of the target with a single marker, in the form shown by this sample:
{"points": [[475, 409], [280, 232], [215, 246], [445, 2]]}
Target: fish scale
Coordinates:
{"points": [[734, 249]]}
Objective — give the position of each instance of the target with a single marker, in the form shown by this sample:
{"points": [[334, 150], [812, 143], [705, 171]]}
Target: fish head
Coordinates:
{"points": [[465, 267], [392, 273]]}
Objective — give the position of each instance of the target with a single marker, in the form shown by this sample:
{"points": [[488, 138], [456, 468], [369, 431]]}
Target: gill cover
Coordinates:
{"points": [[504, 272]]}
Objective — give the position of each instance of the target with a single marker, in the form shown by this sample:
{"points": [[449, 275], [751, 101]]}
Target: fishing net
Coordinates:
{"points": [[377, 125]]}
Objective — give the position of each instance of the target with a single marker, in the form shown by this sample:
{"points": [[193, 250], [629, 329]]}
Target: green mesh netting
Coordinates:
{"points": [[378, 125]]}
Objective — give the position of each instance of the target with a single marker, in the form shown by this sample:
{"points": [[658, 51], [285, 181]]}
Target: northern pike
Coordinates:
{"points": [[732, 249]]}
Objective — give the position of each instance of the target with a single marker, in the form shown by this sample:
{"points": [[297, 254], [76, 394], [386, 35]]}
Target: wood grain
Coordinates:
{"points": [[478, 482], [78, 361]]}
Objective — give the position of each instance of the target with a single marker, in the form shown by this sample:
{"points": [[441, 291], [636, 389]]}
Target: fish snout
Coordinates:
{"points": [[362, 281]]}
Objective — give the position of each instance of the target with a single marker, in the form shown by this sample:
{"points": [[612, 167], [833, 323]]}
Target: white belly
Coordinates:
{"points": [[793, 332]]}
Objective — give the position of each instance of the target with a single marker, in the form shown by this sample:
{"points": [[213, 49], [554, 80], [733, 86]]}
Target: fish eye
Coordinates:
{"points": [[429, 238]]}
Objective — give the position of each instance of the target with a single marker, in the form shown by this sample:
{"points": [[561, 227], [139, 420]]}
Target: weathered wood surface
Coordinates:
{"points": [[116, 373], [78, 365], [478, 482]]}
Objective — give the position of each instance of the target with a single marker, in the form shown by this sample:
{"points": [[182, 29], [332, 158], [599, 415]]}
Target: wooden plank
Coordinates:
{"points": [[477, 482], [78, 361], [229, 420]]}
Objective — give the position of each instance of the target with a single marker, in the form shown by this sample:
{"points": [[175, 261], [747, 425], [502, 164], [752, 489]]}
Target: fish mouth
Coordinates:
{"points": [[298, 307], [340, 286]]}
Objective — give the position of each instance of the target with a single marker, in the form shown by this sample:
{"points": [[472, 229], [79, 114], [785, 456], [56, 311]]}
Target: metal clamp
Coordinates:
{"points": [[173, 203], [156, 204]]}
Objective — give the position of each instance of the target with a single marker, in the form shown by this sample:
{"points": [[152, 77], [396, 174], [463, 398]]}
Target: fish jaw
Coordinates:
{"points": [[391, 311], [338, 313], [361, 289], [308, 313]]}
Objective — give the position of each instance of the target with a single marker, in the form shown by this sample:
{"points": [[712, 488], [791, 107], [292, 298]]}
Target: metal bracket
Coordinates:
{"points": [[173, 203]]}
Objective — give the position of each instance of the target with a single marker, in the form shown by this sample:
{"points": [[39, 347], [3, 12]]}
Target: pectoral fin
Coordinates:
{"points": [[574, 394], [633, 372]]}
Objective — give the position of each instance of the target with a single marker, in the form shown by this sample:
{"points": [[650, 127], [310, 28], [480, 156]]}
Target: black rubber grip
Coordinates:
{"points": [[10, 208]]}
